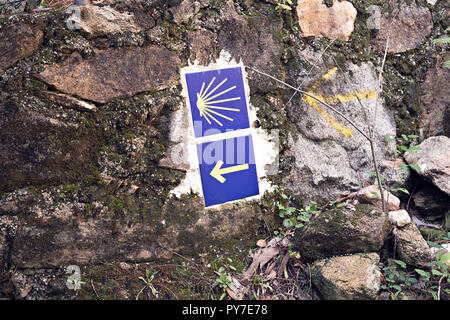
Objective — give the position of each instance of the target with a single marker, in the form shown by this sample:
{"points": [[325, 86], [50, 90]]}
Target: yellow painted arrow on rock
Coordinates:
{"points": [[343, 98], [217, 171]]}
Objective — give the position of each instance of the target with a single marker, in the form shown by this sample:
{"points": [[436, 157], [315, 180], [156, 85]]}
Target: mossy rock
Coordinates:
{"points": [[343, 231]]}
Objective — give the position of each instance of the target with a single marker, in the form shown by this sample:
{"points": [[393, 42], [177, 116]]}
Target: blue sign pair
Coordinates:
{"points": [[218, 105]]}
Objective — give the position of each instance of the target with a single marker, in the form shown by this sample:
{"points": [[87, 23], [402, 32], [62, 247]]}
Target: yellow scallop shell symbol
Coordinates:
{"points": [[206, 102]]}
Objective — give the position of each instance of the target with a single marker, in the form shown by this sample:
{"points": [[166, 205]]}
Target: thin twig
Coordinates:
{"points": [[95, 291], [370, 128], [439, 288], [158, 284], [10, 278]]}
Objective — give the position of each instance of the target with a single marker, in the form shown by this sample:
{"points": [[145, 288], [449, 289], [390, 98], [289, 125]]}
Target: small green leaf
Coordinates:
{"points": [[404, 167], [401, 189], [442, 40], [289, 210], [436, 272], [404, 137], [415, 166], [434, 245], [411, 149], [388, 138], [400, 263], [284, 196], [288, 223], [413, 136], [303, 218], [396, 287], [424, 274], [438, 264], [445, 257]]}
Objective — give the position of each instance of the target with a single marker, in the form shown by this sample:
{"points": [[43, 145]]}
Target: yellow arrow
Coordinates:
{"points": [[217, 172], [364, 94]]}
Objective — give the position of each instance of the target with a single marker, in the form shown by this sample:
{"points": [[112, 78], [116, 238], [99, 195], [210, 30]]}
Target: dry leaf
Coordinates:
{"points": [[232, 294], [260, 258]]}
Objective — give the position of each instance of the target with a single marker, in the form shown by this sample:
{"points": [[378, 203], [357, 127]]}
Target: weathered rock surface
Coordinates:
{"points": [[411, 246], [327, 163], [435, 107], [399, 218], [201, 46], [396, 176], [316, 19], [113, 73], [354, 277], [372, 195], [433, 158], [343, 231], [408, 26], [39, 147], [100, 21], [256, 40], [19, 41], [59, 234], [185, 10]]}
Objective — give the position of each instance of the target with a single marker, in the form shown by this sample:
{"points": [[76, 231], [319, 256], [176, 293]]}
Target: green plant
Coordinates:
{"points": [[148, 282], [259, 286], [396, 276], [297, 218], [438, 270], [223, 281]]}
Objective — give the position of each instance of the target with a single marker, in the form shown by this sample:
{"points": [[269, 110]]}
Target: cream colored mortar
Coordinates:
{"points": [[265, 150]]}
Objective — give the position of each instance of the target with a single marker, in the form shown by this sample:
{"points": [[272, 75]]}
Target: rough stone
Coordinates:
{"points": [[343, 231], [19, 41], [328, 163], [113, 73], [372, 195], [335, 22], [435, 108], [185, 10], [40, 146], [201, 46], [98, 21], [399, 218], [433, 158], [408, 26], [257, 40], [55, 234], [355, 277], [411, 246], [396, 176]]}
